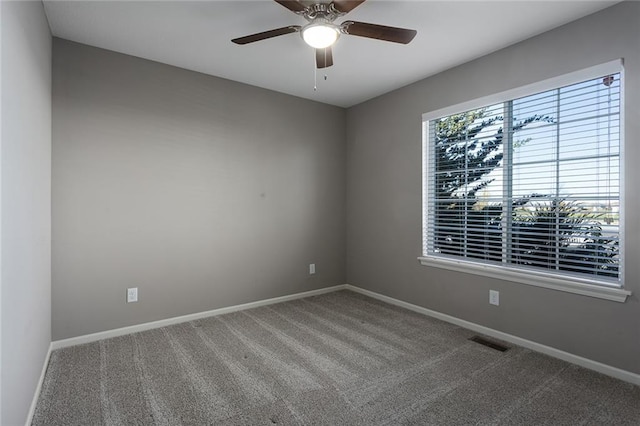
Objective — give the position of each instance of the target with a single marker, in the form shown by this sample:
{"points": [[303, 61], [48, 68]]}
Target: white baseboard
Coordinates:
{"points": [[36, 394], [608, 370], [88, 338], [548, 350]]}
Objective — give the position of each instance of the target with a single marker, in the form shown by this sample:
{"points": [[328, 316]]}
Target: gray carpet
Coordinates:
{"points": [[336, 359]]}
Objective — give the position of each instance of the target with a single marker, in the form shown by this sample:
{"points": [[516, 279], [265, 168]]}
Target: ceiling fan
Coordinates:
{"points": [[321, 32]]}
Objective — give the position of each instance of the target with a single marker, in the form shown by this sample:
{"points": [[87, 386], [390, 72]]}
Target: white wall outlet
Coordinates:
{"points": [[494, 297], [132, 294], [312, 268]]}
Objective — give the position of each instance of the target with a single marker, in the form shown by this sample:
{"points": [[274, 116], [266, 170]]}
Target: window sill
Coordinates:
{"points": [[530, 278]]}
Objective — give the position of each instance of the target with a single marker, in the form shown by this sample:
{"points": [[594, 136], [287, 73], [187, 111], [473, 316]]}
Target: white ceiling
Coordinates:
{"points": [[196, 35]]}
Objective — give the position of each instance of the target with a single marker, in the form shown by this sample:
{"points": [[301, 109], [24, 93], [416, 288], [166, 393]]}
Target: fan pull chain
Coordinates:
{"points": [[315, 72], [325, 63]]}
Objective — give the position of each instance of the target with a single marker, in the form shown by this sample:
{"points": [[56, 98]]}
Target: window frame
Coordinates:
{"points": [[554, 281]]}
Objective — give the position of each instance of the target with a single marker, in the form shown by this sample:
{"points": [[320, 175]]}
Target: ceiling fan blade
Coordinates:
{"points": [[267, 34], [292, 5], [379, 32], [324, 57], [346, 6]]}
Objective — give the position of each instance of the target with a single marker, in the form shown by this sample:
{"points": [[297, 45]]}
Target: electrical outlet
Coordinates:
{"points": [[312, 268], [494, 297], [132, 294]]}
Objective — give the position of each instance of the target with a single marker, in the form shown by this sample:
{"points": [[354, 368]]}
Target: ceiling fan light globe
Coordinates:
{"points": [[320, 36]]}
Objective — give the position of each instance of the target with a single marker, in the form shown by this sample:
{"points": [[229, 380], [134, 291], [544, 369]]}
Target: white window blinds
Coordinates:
{"points": [[532, 183]]}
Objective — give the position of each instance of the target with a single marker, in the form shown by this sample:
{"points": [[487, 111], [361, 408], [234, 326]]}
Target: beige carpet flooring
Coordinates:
{"points": [[335, 359]]}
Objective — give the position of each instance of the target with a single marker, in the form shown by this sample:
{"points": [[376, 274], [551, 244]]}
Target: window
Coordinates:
{"points": [[529, 186]]}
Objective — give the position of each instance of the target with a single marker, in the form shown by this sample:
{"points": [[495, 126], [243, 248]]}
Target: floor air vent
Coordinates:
{"points": [[489, 343]]}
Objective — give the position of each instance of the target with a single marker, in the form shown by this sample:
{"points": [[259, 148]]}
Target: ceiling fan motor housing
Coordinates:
{"points": [[321, 10]]}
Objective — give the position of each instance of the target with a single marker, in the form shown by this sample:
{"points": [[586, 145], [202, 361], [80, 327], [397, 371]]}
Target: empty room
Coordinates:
{"points": [[319, 212]]}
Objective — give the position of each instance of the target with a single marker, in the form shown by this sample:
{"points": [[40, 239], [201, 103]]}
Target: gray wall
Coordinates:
{"points": [[384, 195], [200, 191], [26, 205]]}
